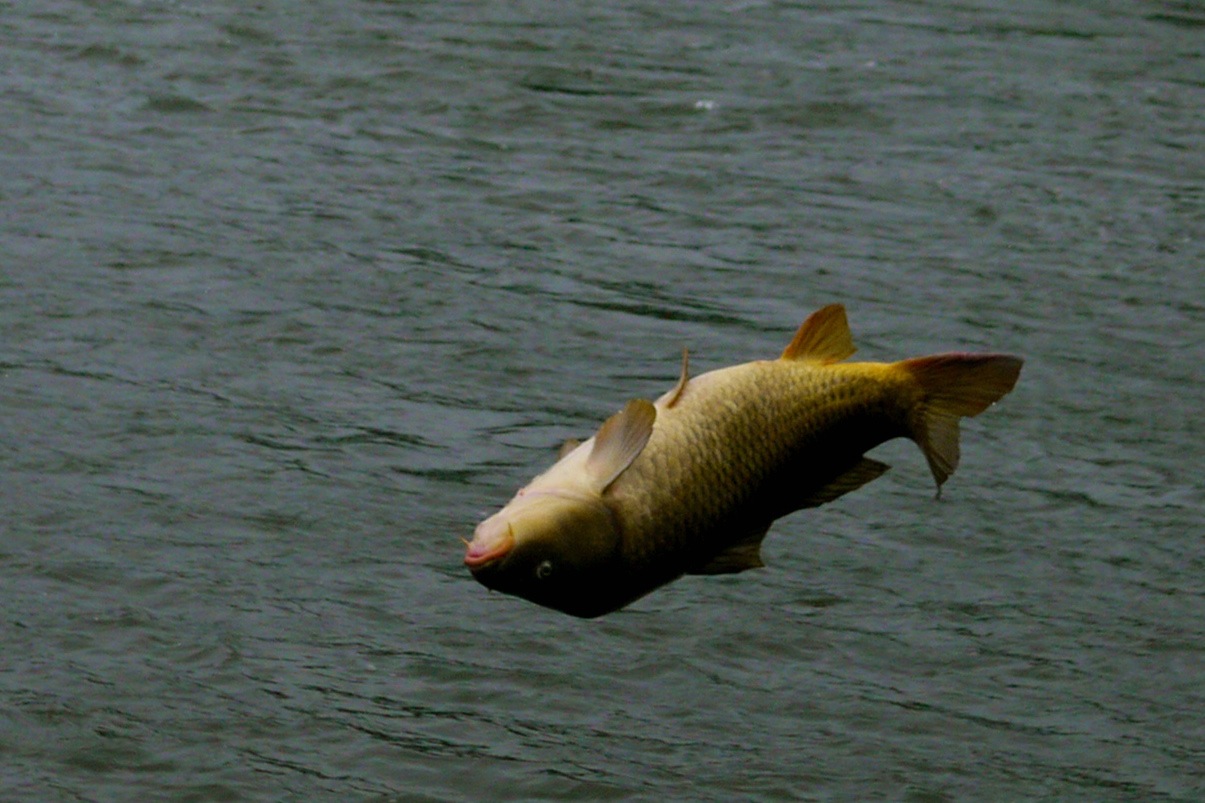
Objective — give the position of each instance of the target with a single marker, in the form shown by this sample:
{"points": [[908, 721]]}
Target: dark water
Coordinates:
{"points": [[292, 294]]}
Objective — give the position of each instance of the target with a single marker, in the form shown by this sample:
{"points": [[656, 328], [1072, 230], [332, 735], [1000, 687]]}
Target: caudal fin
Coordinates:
{"points": [[955, 385]]}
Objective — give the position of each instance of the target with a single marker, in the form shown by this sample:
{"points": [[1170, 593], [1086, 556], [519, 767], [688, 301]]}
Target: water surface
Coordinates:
{"points": [[294, 294]]}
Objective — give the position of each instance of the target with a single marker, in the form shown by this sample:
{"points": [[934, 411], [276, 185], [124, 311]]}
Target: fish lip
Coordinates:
{"points": [[484, 551], [475, 561]]}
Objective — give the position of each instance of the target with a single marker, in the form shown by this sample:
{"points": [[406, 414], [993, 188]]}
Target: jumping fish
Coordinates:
{"points": [[691, 483]]}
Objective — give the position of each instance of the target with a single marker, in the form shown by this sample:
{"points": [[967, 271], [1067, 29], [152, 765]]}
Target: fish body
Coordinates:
{"points": [[691, 483]]}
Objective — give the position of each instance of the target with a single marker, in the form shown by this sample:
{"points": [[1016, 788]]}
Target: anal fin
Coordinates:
{"points": [[823, 337]]}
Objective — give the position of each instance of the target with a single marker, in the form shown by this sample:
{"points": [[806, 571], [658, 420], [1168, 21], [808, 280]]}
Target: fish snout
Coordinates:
{"points": [[492, 541]]}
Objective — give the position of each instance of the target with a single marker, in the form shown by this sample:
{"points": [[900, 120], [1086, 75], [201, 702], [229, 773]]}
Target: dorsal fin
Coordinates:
{"points": [[682, 380], [619, 441], [823, 337], [851, 479], [744, 554]]}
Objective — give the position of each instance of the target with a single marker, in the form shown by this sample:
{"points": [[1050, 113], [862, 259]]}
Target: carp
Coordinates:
{"points": [[690, 483]]}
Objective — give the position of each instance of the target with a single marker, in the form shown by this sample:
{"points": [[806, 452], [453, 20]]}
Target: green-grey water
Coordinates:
{"points": [[293, 294]]}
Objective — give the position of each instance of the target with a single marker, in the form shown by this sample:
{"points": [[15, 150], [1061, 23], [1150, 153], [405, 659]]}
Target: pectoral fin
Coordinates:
{"points": [[744, 554], [619, 441], [852, 479], [567, 447]]}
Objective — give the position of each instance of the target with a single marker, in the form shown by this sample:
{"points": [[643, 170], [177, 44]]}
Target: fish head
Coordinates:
{"points": [[554, 547]]}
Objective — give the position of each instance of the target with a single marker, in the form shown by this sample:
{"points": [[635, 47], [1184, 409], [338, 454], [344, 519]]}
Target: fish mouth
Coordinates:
{"points": [[489, 545]]}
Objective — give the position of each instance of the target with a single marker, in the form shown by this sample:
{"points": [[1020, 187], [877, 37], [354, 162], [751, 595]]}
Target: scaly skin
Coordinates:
{"points": [[692, 482], [739, 448]]}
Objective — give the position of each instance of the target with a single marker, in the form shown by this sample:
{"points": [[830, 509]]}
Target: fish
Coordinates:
{"points": [[691, 483]]}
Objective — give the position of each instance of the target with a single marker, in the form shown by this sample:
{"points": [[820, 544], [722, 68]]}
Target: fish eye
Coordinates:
{"points": [[544, 569]]}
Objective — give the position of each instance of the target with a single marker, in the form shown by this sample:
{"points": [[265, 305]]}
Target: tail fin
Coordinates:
{"points": [[954, 385]]}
